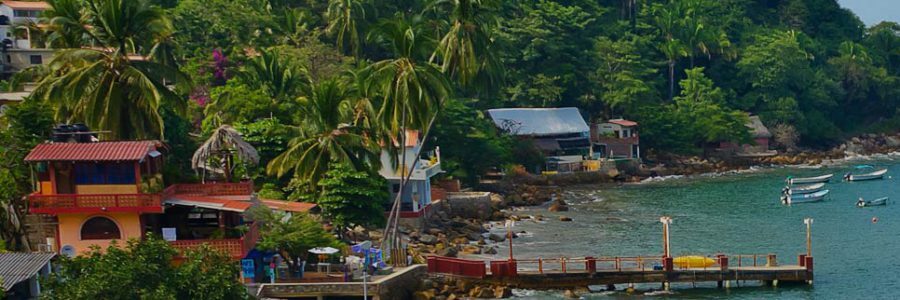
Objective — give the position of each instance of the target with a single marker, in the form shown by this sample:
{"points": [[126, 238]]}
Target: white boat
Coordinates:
{"points": [[807, 180], [876, 202], [804, 189], [867, 176], [803, 198]]}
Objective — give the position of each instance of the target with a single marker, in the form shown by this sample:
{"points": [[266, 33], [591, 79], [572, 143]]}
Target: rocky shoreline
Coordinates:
{"points": [[461, 235]]}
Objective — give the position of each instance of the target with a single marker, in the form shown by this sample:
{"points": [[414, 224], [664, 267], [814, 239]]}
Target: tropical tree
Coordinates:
{"points": [[114, 87], [291, 235], [269, 71], [145, 267], [325, 135], [352, 197], [65, 21], [467, 49], [673, 50], [344, 17], [411, 90]]}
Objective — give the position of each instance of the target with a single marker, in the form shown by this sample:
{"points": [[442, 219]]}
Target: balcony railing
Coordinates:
{"points": [[234, 248], [81, 203], [210, 189]]}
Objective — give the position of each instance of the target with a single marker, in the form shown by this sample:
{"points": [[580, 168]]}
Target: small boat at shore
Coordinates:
{"points": [[809, 180], [867, 176], [804, 189], [876, 202], [693, 261], [803, 198]]}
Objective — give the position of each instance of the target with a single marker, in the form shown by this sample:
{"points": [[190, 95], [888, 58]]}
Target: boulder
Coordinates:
{"points": [[375, 235], [448, 252], [558, 206], [496, 237], [428, 239], [565, 219], [489, 250], [472, 236], [501, 292], [569, 294], [435, 231], [425, 295]]}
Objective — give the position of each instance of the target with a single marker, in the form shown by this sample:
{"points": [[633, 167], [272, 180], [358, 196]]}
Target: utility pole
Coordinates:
{"points": [[808, 222], [666, 221], [509, 237]]}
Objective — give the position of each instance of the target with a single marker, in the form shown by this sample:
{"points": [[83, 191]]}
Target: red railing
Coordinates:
{"points": [[456, 266], [80, 203], [210, 189], [234, 248]]}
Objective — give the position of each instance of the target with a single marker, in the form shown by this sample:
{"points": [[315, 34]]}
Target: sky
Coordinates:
{"points": [[873, 11]]}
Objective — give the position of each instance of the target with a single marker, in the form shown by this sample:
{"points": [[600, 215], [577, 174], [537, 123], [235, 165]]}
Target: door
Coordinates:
{"points": [[65, 178], [635, 151]]}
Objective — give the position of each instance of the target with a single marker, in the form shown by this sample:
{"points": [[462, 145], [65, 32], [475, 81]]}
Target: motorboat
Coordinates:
{"points": [[803, 198], [808, 180], [804, 189], [867, 176], [876, 202]]}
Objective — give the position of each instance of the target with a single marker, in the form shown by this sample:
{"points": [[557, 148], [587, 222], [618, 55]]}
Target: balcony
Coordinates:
{"points": [[234, 248], [88, 203]]}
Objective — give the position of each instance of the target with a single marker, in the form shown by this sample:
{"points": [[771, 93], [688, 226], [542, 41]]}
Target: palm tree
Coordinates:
{"points": [[326, 135], [66, 24], [673, 50], [411, 90], [343, 21], [224, 145], [466, 49], [279, 78], [113, 87]]}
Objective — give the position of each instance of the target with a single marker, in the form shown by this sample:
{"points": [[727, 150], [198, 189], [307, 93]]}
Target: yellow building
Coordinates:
{"points": [[99, 192]]}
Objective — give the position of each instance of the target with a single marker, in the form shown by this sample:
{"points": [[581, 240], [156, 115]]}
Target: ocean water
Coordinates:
{"points": [[738, 213]]}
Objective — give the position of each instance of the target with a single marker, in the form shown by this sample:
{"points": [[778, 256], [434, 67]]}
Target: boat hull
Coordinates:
{"points": [[809, 180], [808, 189], [870, 176], [805, 198], [876, 202]]}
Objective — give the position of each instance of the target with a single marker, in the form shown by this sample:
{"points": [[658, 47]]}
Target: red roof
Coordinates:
{"points": [[102, 151], [28, 5], [623, 122], [288, 205]]}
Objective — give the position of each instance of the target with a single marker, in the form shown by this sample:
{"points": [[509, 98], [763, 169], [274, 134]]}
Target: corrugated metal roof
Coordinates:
{"points": [[32, 5], [17, 267], [623, 122], [102, 151], [539, 121]]}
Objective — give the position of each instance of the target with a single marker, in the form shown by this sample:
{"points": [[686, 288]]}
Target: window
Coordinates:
{"points": [[36, 59], [89, 173], [100, 228], [26, 13]]}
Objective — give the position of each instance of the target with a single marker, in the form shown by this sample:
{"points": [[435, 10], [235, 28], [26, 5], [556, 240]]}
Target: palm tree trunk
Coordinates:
{"points": [[671, 80]]}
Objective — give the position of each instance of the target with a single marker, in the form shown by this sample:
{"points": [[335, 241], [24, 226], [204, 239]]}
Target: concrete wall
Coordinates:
{"points": [[70, 229], [468, 205], [105, 189], [395, 286]]}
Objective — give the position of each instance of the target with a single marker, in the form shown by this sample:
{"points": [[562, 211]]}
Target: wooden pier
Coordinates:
{"points": [[563, 273]]}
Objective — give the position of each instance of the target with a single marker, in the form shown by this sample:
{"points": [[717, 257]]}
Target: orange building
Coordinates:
{"points": [[99, 192]]}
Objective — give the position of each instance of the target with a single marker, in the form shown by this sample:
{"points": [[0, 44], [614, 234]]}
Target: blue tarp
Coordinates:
{"points": [[540, 121]]}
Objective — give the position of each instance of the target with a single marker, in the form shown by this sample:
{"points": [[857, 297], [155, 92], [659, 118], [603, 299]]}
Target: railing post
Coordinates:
{"points": [[591, 264], [771, 260], [562, 262], [668, 264], [541, 265], [723, 263], [801, 260]]}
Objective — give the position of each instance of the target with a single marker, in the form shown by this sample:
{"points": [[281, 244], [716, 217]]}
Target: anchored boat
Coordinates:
{"points": [[876, 202], [808, 180], [867, 176], [805, 189], [803, 198]]}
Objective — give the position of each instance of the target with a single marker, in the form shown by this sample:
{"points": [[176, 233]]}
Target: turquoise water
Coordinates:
{"points": [[739, 214]]}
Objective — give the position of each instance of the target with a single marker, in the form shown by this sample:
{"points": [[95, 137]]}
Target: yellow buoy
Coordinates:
{"points": [[693, 261]]}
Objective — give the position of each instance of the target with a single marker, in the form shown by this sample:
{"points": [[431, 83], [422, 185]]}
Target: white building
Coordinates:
{"points": [[15, 38], [416, 199]]}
